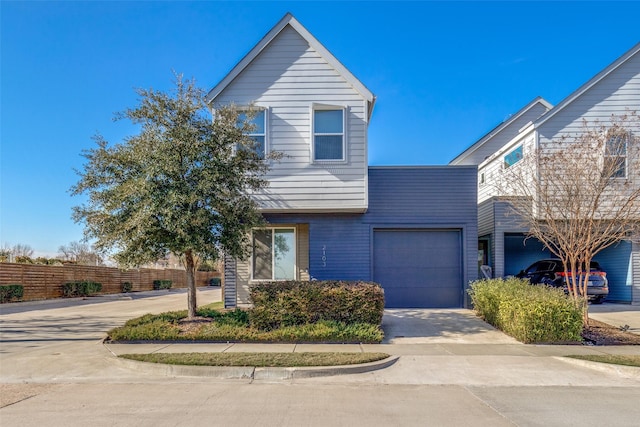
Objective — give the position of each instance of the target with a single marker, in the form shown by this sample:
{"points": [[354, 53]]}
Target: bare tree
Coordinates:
{"points": [[80, 253], [580, 194], [21, 250]]}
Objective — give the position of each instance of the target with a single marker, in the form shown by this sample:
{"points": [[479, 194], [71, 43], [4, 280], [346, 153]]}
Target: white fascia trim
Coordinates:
{"points": [[519, 139], [588, 85], [288, 19], [476, 145]]}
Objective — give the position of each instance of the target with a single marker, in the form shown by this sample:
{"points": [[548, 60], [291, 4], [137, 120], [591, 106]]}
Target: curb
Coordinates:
{"points": [[251, 372], [631, 372]]}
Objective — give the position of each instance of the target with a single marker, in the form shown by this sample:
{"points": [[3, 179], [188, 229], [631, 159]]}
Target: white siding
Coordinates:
{"points": [[288, 77], [491, 168], [617, 93], [495, 141], [611, 95]]}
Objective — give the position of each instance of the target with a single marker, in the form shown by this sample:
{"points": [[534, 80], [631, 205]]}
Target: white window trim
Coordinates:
{"points": [[313, 109], [295, 250], [266, 111], [513, 150], [625, 155]]}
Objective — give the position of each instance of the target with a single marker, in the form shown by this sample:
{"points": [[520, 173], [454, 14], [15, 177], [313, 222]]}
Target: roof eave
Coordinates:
{"points": [[589, 84], [289, 19], [476, 145]]}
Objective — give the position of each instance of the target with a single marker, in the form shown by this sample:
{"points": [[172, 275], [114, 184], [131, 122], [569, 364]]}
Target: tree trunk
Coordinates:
{"points": [[190, 267]]}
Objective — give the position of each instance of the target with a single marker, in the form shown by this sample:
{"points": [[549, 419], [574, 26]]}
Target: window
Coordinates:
{"points": [[513, 157], [328, 134], [256, 120], [274, 252], [615, 156]]}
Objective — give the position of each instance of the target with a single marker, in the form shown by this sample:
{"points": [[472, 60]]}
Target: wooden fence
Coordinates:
{"points": [[45, 281]]}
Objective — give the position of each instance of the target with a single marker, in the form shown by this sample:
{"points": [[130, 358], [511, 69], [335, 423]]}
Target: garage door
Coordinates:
{"points": [[419, 268]]}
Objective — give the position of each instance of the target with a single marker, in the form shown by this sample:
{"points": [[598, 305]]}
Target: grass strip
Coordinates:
{"points": [[614, 359], [258, 359]]}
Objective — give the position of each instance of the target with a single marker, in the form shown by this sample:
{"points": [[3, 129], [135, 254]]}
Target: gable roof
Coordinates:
{"points": [[289, 20], [588, 85], [493, 132]]}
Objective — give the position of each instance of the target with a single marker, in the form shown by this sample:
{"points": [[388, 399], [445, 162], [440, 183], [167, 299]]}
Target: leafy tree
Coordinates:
{"points": [[5, 253], [182, 185], [580, 194]]}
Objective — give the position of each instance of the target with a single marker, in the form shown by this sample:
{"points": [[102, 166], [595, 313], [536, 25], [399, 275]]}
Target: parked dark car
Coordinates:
{"points": [[551, 272]]}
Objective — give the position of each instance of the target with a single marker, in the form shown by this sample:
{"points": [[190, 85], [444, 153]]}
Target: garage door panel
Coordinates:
{"points": [[419, 268], [415, 298], [408, 277]]}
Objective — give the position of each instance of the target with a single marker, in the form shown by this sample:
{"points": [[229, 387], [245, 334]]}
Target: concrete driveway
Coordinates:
{"points": [[55, 371], [439, 326], [617, 315]]}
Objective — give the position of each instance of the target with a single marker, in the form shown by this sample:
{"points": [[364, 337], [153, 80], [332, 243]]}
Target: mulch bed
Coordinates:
{"points": [[599, 333]]}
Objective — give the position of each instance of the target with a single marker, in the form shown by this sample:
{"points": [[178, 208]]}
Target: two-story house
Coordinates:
{"points": [[329, 214], [614, 90]]}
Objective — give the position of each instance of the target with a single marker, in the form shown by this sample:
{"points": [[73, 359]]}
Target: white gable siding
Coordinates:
{"points": [[288, 77], [611, 95], [493, 165], [496, 141], [617, 93]]}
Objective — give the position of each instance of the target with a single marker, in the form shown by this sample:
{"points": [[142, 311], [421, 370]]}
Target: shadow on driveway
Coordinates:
{"points": [[431, 326]]}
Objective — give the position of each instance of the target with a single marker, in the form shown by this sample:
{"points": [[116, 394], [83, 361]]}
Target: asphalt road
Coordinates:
{"points": [[54, 371]]}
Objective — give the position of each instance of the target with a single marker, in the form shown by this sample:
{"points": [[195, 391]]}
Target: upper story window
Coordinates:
{"points": [[513, 157], [274, 254], [328, 134], [257, 121], [615, 156]]}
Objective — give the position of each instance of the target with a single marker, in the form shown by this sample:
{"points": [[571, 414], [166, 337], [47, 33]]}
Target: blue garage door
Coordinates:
{"points": [[419, 268]]}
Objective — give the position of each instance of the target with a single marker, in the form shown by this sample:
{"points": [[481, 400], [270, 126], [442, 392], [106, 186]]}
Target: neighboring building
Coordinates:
{"points": [[501, 242], [330, 215]]}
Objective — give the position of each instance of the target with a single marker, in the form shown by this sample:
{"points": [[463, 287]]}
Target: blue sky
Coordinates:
{"points": [[444, 74]]}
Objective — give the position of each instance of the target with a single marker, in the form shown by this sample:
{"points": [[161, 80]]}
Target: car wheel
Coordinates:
{"points": [[597, 300]]}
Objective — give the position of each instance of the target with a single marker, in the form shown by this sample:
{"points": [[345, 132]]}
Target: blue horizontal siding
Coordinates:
{"points": [[403, 197]]}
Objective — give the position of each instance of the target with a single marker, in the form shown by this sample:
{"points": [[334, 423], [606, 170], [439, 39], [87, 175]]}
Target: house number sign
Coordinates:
{"points": [[324, 255]]}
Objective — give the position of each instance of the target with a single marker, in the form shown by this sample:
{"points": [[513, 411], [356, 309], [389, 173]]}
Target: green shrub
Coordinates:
{"points": [[154, 330], [529, 313], [80, 289], [11, 292], [279, 304], [162, 284], [215, 281], [127, 287]]}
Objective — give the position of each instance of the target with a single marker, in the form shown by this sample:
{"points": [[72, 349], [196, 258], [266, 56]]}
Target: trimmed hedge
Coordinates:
{"points": [[11, 292], [529, 313], [281, 304], [162, 284], [127, 287], [80, 289]]}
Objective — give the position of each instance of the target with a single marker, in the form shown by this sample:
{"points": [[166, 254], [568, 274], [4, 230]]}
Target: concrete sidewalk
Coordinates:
{"points": [[449, 368], [61, 340]]}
